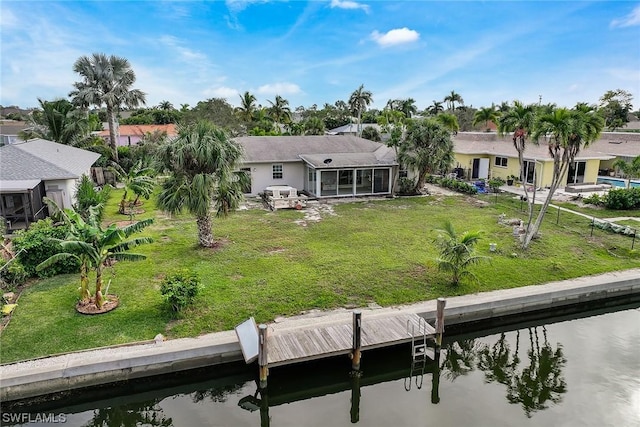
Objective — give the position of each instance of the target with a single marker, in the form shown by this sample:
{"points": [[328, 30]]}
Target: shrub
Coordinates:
{"points": [[12, 274], [496, 183], [623, 199], [34, 245], [179, 289], [594, 199], [406, 185]]}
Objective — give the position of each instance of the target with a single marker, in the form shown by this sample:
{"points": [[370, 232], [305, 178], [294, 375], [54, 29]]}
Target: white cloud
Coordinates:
{"points": [[630, 20], [281, 88], [8, 19], [348, 4], [236, 6], [221, 92], [395, 37]]}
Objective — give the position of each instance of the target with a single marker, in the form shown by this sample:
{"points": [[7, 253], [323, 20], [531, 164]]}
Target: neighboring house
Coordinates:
{"points": [[352, 129], [132, 134], [9, 130], [322, 166], [36, 168], [482, 155]]}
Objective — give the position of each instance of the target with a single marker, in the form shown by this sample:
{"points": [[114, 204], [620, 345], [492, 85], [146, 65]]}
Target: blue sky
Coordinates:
{"points": [[320, 51]]}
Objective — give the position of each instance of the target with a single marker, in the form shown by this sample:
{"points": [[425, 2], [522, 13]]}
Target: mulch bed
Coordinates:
{"points": [[110, 303]]}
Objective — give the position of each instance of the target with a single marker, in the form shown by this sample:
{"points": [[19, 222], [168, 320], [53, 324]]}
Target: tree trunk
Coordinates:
{"points": [[111, 117], [84, 282], [205, 236], [99, 299]]}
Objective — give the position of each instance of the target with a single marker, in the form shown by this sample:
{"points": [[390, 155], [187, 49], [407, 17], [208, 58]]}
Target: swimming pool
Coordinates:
{"points": [[618, 182]]}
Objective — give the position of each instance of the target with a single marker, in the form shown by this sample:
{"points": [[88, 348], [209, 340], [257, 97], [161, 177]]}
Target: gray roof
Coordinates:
{"points": [[608, 146], [12, 127], [269, 149], [345, 160], [44, 160], [18, 185]]}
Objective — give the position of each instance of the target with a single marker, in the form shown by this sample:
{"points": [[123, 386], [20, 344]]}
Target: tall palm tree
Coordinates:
{"points": [[247, 107], [279, 111], [451, 100], [358, 102], [408, 107], [566, 132], [58, 121], [426, 148], [106, 80], [435, 108], [201, 162], [518, 120], [485, 114]]}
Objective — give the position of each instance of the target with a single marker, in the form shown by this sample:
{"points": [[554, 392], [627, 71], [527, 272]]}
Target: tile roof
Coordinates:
{"points": [[42, 159], [142, 130], [261, 149]]}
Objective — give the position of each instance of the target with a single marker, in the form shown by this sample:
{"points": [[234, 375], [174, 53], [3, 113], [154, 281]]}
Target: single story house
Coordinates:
{"points": [[322, 166], [36, 168], [9, 130], [352, 129], [483, 155], [132, 134]]}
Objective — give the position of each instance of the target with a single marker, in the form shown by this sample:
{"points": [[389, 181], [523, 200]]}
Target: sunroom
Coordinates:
{"points": [[347, 174]]}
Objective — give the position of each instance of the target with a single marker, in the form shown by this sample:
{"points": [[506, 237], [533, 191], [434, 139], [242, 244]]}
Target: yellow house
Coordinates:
{"points": [[485, 155]]}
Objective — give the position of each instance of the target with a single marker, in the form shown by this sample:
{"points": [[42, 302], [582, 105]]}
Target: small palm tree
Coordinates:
{"points": [[138, 181], [435, 108], [485, 115], [449, 121], [457, 252], [247, 108]]}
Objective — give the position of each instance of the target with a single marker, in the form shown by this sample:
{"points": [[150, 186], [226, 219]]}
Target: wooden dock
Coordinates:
{"points": [[335, 339]]}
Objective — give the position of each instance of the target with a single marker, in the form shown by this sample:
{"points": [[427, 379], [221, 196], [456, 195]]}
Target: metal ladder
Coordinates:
{"points": [[418, 353]]}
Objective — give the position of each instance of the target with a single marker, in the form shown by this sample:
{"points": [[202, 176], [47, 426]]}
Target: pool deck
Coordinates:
{"points": [[104, 365]]}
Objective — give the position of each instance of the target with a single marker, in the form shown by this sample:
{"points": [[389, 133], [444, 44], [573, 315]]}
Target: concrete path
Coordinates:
{"points": [[83, 369]]}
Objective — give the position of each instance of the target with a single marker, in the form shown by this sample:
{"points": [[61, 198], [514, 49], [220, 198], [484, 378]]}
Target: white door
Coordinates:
{"points": [[483, 172]]}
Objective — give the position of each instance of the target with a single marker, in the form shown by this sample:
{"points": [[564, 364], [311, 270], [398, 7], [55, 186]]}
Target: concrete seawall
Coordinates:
{"points": [[104, 365]]}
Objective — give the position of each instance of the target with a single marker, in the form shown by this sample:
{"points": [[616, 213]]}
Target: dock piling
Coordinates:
{"points": [[357, 335], [440, 322], [262, 355]]}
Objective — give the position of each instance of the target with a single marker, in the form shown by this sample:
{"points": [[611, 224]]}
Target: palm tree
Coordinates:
{"points": [[485, 115], [165, 106], [247, 107], [457, 252], [408, 107], [435, 108], [449, 121], [58, 121], [629, 169], [358, 102], [519, 121], [426, 148], [106, 81], [201, 162], [314, 126], [96, 248], [137, 181], [566, 132], [279, 111], [451, 100]]}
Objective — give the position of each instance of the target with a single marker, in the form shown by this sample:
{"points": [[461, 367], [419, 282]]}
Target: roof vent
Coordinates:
{"points": [[327, 161]]}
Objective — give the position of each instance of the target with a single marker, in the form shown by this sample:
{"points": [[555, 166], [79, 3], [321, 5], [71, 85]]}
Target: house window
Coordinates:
{"points": [[501, 161], [277, 171]]}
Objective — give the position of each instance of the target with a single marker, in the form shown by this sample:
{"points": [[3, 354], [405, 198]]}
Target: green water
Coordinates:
{"points": [[580, 372]]}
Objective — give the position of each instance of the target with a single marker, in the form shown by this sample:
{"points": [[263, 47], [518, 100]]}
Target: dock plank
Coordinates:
{"points": [[333, 339]]}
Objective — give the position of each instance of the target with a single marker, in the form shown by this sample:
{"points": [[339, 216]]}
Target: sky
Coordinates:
{"points": [[317, 52]]}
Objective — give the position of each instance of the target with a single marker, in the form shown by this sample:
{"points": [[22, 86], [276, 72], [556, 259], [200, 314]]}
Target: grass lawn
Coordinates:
{"points": [[378, 251]]}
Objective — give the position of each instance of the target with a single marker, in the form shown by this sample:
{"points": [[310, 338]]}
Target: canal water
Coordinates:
{"points": [[581, 371]]}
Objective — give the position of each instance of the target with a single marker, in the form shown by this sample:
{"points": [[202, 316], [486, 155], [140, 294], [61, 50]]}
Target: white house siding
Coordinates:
{"points": [[262, 175], [66, 189]]}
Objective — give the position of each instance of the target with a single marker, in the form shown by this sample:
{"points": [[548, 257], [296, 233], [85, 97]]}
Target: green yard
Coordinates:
{"points": [[378, 251]]}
